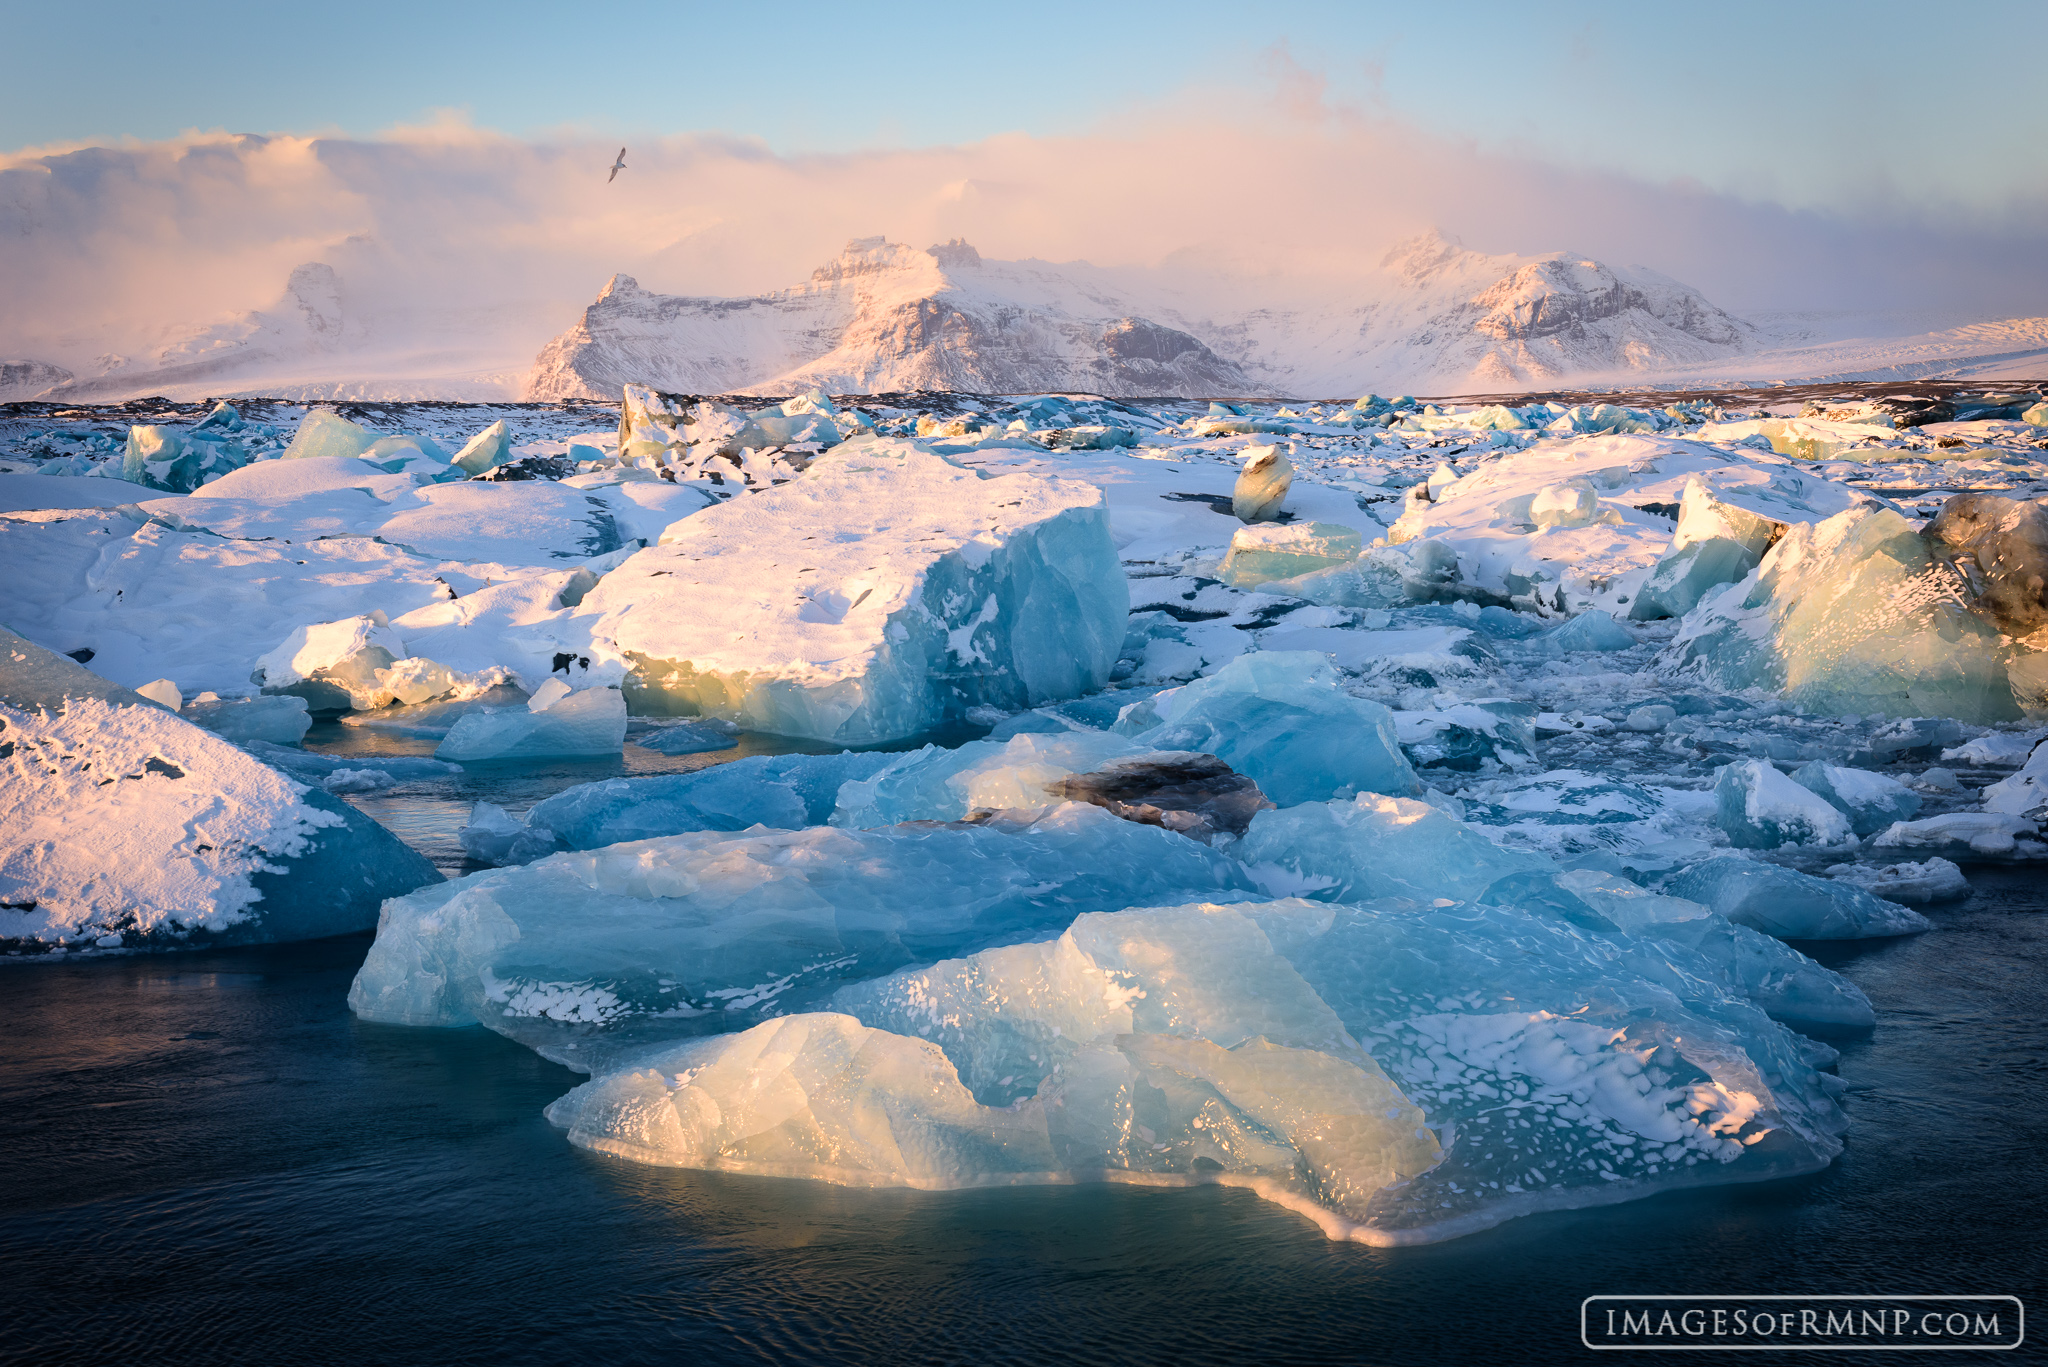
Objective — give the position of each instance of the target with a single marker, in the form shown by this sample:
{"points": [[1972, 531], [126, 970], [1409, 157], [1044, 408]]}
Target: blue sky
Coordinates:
{"points": [[1812, 104]]}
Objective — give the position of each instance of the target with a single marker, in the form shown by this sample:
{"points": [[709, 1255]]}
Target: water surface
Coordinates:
{"points": [[205, 1158]]}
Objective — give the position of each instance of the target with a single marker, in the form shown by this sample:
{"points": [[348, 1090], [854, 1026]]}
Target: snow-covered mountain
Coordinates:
{"points": [[1436, 318], [315, 342], [24, 379], [882, 317], [1440, 318]]}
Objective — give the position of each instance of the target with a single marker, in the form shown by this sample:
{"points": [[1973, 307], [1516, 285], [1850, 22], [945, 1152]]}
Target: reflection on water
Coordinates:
{"points": [[427, 813], [204, 1157]]}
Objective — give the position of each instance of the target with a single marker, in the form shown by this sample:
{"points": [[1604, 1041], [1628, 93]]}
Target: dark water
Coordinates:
{"points": [[205, 1158]]}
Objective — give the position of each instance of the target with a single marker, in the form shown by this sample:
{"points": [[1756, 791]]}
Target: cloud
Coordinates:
{"points": [[1271, 184]]}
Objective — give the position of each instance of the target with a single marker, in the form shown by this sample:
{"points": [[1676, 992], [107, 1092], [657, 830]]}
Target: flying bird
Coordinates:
{"points": [[617, 167]]}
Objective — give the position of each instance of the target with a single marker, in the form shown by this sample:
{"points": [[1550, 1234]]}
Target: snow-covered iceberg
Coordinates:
{"points": [[123, 825], [1870, 801], [882, 594]]}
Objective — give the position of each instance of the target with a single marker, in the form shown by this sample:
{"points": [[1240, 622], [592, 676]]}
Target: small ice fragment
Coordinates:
{"points": [[322, 433], [1655, 717], [1559, 505], [1761, 809], [1594, 630], [547, 695], [590, 722], [357, 781], [1870, 801], [1936, 880], [1791, 905], [163, 691], [487, 449]]}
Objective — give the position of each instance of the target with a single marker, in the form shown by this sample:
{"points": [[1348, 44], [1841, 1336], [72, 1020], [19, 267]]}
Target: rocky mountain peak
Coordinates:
{"points": [[869, 256], [954, 254]]}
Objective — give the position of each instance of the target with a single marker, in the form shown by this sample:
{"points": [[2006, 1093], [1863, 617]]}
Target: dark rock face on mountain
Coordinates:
{"points": [[26, 379]]}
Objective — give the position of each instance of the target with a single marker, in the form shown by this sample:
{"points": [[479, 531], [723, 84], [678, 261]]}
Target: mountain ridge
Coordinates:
{"points": [[882, 316]]}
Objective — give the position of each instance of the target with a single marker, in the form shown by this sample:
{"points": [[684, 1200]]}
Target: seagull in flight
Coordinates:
{"points": [[617, 167]]}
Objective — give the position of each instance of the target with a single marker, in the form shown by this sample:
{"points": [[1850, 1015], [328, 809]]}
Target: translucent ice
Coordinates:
{"points": [[1849, 615], [1717, 542], [1554, 1067], [494, 836], [1789, 904], [591, 721], [1564, 505], [1594, 630], [1760, 809], [1785, 984], [279, 720], [787, 792], [178, 460], [486, 450], [689, 738], [123, 824], [884, 592], [1171, 1043], [1375, 846], [1870, 801], [585, 954], [1284, 550], [932, 784], [1282, 718], [1568, 1067], [322, 433]]}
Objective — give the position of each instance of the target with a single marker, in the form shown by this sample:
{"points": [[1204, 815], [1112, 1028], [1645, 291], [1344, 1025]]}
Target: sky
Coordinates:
{"points": [[1820, 103], [449, 159]]}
